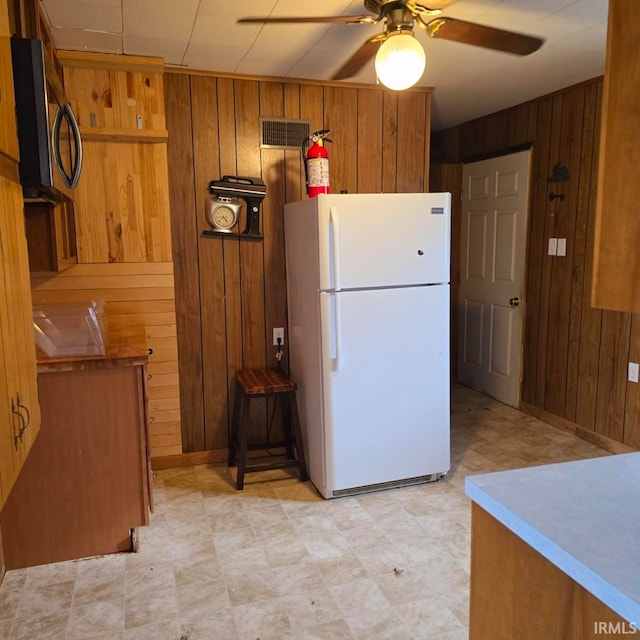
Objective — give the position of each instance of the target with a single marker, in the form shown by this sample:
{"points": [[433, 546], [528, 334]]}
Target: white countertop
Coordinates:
{"points": [[583, 516]]}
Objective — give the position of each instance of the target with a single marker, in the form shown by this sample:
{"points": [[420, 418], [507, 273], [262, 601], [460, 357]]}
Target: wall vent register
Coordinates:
{"points": [[281, 133]]}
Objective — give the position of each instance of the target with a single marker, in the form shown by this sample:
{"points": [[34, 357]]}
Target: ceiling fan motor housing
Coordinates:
{"points": [[397, 14]]}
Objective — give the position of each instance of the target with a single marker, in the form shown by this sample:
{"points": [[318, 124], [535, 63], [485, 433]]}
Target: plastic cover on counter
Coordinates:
{"points": [[69, 329]]}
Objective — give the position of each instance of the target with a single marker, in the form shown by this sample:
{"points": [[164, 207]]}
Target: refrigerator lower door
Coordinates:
{"points": [[386, 387]]}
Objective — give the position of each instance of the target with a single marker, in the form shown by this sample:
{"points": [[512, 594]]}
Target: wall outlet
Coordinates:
{"points": [[633, 371], [278, 332]]}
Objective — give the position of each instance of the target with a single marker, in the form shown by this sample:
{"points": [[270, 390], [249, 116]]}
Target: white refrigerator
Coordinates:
{"points": [[368, 299]]}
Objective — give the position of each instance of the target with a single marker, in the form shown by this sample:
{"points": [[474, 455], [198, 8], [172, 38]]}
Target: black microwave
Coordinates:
{"points": [[48, 133]]}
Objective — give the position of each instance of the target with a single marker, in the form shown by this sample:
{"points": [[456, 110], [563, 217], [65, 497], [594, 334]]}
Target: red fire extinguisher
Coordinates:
{"points": [[317, 163]]}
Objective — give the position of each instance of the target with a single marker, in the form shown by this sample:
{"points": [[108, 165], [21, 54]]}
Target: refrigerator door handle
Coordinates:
{"points": [[334, 230], [338, 331], [331, 327]]}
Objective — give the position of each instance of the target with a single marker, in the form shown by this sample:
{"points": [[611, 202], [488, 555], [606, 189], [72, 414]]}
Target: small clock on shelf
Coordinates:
{"points": [[222, 213]]}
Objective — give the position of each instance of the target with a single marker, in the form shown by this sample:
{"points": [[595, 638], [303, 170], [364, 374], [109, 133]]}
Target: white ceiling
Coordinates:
{"points": [[468, 81]]}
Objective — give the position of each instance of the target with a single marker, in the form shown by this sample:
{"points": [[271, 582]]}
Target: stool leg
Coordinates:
{"points": [[295, 420], [285, 408], [242, 441], [235, 422]]}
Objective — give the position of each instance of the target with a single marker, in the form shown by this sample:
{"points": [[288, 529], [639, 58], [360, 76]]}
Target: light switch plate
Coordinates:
{"points": [[562, 247], [553, 246], [633, 371]]}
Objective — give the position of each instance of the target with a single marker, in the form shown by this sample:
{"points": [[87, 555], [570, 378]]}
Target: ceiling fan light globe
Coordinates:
{"points": [[400, 61]]}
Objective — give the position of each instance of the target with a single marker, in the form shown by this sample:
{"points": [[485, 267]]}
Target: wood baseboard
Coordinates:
{"points": [[2, 567], [205, 457], [189, 459], [586, 434]]}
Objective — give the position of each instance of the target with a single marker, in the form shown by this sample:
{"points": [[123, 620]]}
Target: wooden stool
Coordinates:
{"points": [[260, 383]]}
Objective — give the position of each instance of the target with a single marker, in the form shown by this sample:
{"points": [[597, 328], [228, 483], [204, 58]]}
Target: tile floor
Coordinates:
{"points": [[277, 562]]}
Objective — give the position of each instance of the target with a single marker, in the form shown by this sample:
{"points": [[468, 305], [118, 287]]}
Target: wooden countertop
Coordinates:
{"points": [[126, 346]]}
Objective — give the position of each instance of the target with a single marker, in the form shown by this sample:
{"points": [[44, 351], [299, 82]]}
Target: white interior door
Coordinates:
{"points": [[492, 263]]}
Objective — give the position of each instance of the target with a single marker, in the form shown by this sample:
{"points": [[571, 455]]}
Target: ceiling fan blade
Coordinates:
{"points": [[482, 36], [301, 20], [360, 57]]}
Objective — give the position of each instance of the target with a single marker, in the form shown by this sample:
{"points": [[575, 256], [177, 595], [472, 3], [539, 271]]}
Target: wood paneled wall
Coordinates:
{"points": [[144, 294], [575, 356], [122, 202], [230, 293]]}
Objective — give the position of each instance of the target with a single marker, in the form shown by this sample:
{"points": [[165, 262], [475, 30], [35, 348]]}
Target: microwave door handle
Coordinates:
{"points": [[55, 145], [64, 111], [77, 143]]}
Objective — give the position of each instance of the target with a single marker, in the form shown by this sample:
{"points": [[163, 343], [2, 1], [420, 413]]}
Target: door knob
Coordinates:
{"points": [[514, 302]]}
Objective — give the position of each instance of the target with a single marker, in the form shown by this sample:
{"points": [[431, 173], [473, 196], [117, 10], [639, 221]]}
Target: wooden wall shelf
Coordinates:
{"points": [[228, 234], [124, 135]]}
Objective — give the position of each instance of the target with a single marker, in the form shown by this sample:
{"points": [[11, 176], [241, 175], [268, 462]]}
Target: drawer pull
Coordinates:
{"points": [[15, 410], [150, 351], [23, 407]]}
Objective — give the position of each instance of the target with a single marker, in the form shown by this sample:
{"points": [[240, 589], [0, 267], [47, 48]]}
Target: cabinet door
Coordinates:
{"points": [[83, 487], [19, 358], [104, 98], [122, 203], [7, 426], [616, 281], [8, 138]]}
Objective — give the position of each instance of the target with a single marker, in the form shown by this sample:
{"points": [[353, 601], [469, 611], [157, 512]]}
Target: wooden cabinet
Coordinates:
{"points": [[122, 203], [8, 137], [518, 593], [115, 96], [85, 486], [51, 236], [19, 408], [616, 269], [122, 199]]}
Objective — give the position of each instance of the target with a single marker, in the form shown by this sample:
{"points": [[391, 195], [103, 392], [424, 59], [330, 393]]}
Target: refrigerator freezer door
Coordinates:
{"points": [[386, 385], [383, 240]]}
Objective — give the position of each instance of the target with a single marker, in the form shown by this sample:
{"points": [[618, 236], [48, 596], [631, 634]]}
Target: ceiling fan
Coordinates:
{"points": [[400, 16]]}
